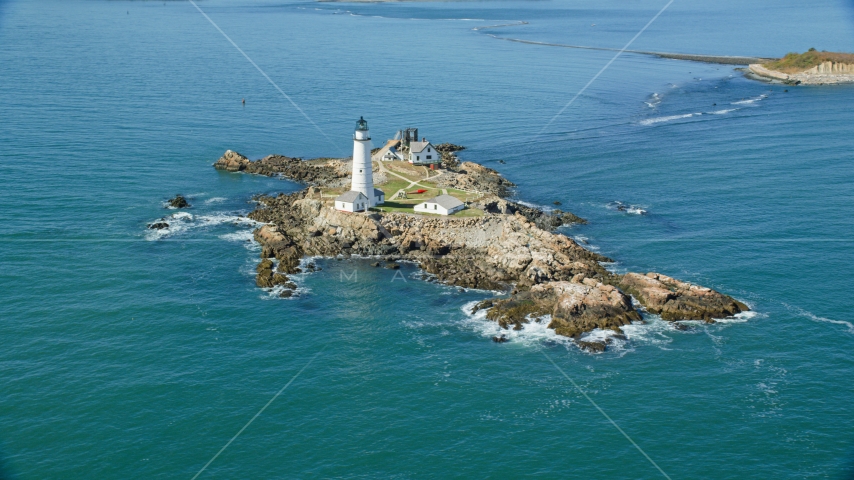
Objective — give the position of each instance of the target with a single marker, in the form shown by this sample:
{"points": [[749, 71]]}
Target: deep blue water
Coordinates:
{"points": [[127, 355]]}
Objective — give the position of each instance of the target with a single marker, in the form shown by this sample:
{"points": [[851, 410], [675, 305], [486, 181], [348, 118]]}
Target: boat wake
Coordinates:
{"points": [[816, 318]]}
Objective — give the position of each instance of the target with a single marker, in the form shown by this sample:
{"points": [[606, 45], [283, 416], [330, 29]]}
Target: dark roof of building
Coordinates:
{"points": [[350, 196], [378, 192]]}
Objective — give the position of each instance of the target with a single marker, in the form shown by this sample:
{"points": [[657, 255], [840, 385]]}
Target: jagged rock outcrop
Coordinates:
{"points": [[475, 177], [677, 300], [448, 152], [582, 307], [490, 252], [544, 220], [232, 161], [449, 148], [325, 172], [573, 309]]}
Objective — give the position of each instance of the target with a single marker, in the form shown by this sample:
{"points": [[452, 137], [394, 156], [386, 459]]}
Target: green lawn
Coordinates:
{"points": [[396, 206], [795, 62]]}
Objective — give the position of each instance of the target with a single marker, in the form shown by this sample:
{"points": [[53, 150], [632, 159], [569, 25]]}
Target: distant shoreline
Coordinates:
{"points": [[720, 59]]}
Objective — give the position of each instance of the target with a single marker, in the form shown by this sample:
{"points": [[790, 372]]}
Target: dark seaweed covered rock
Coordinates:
{"points": [[179, 202]]}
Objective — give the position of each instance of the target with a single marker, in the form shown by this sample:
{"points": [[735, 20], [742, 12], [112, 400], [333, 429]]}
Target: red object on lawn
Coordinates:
{"points": [[420, 190]]}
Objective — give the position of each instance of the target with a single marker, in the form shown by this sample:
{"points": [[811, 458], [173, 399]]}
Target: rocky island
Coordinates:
{"points": [[809, 68], [494, 244]]}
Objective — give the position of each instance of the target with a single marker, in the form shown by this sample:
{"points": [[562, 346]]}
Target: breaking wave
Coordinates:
{"points": [[750, 101], [544, 208], [532, 334], [652, 332], [653, 101], [182, 221], [631, 209], [653, 121]]}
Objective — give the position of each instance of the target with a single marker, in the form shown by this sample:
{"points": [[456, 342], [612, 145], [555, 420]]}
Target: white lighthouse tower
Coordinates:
{"points": [[362, 194], [363, 179]]}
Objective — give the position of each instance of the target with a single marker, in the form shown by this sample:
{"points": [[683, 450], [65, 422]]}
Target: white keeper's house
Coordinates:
{"points": [[441, 205], [423, 153]]}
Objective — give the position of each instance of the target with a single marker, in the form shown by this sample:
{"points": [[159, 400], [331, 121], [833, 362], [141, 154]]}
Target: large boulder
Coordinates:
{"points": [[582, 307], [232, 161], [677, 300], [179, 202]]}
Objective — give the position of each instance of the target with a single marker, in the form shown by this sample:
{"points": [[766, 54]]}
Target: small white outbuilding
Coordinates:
{"points": [[352, 201], [379, 197], [441, 205], [391, 155]]}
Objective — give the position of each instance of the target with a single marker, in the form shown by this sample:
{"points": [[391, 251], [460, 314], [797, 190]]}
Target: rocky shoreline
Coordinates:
{"points": [[512, 248], [817, 76]]}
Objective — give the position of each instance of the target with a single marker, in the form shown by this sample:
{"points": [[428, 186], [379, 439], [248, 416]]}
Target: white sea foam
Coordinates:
{"points": [[741, 317], [653, 101], [653, 121], [240, 236], [177, 222], [544, 208], [652, 332], [533, 333], [183, 221], [215, 200], [631, 209], [655, 332], [750, 101], [582, 240], [724, 111]]}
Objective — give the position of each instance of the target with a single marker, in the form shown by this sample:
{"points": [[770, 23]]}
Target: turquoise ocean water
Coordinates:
{"points": [[125, 354]]}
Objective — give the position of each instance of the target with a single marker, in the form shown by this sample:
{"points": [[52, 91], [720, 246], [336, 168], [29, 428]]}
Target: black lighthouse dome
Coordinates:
{"points": [[362, 125]]}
